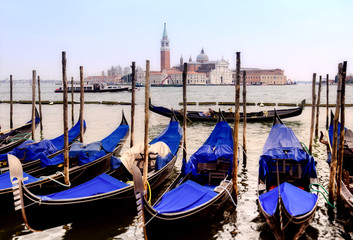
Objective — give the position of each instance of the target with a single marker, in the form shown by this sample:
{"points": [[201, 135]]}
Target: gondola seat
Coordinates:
{"points": [[214, 170], [288, 170]]}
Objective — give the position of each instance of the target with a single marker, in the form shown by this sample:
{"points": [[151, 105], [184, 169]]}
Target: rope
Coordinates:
{"points": [[316, 190], [62, 184], [243, 150], [279, 201], [305, 147], [149, 192], [17, 138], [150, 219], [235, 205]]}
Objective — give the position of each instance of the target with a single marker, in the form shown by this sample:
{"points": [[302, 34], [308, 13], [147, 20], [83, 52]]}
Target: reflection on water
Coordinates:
{"points": [[117, 222]]}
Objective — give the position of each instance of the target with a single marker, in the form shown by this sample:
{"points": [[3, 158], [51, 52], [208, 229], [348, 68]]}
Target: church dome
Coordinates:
{"points": [[202, 57]]}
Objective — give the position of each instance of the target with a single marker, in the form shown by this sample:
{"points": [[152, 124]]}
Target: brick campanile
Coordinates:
{"points": [[165, 50]]}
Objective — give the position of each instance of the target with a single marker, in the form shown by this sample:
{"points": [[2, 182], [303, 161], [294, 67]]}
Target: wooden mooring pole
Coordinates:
{"points": [[40, 105], [11, 102], [342, 131], [244, 119], [33, 103], [147, 118], [66, 128], [82, 102], [72, 102], [236, 128], [327, 100], [318, 109], [333, 166], [312, 114], [133, 86], [185, 110]]}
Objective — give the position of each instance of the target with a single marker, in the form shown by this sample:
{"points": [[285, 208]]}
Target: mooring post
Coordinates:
{"points": [[327, 100], [133, 86], [244, 119], [147, 116], [185, 72], [72, 102], [236, 128], [342, 131], [318, 109], [33, 103], [40, 105], [11, 102], [333, 166], [82, 102], [312, 114], [66, 128]]}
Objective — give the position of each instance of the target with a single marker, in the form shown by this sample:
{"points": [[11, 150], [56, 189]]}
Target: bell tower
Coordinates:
{"points": [[165, 50]]}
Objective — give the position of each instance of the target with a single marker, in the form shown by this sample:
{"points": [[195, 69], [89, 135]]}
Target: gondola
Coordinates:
{"points": [[86, 162], [13, 137], [32, 153], [212, 116], [116, 184], [286, 172], [202, 188], [347, 167]]}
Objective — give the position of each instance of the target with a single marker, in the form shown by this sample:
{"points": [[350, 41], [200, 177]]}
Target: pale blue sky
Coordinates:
{"points": [[299, 36]]}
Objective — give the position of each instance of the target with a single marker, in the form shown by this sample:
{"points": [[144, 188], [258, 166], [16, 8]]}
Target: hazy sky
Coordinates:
{"points": [[299, 36]]}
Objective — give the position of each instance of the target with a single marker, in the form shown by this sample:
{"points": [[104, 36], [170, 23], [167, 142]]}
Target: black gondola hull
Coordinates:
{"points": [[262, 116], [25, 132], [78, 175], [291, 230]]}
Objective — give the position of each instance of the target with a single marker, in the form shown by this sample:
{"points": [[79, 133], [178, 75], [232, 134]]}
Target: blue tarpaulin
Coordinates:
{"points": [[283, 144], [296, 201], [6, 183], [74, 132], [115, 162], [45, 161], [218, 145], [185, 197], [29, 150], [87, 153], [99, 185], [170, 136], [110, 142], [90, 149]]}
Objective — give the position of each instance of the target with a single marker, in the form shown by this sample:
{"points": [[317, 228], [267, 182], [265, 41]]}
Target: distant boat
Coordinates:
{"points": [[212, 116], [94, 87]]}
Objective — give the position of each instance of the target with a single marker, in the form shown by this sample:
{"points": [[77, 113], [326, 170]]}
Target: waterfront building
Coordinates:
{"points": [[257, 76], [103, 79], [200, 72], [203, 71]]}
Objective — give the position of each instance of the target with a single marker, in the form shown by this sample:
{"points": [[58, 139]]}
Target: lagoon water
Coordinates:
{"points": [[243, 222]]}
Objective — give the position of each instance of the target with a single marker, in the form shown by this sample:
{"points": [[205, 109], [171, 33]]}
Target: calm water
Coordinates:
{"points": [[244, 222]]}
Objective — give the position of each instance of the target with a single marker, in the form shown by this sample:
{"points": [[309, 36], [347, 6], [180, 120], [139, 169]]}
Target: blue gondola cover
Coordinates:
{"points": [[296, 201], [29, 150], [74, 132], [219, 145], [110, 142], [185, 197], [283, 144], [101, 184], [6, 183], [170, 136]]}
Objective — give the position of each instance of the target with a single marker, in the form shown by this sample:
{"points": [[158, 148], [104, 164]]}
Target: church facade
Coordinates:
{"points": [[199, 72]]}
